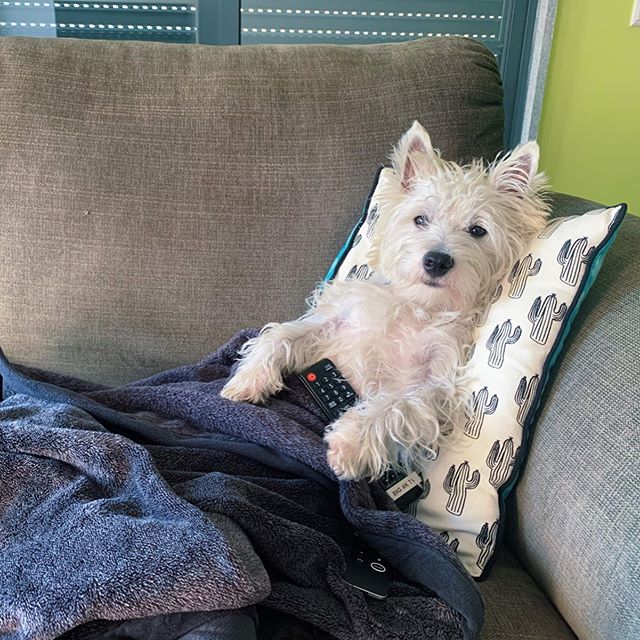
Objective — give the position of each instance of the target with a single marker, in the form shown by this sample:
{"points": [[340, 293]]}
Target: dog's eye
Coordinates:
{"points": [[421, 221], [477, 231]]}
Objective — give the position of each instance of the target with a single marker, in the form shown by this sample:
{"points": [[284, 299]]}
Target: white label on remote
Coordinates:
{"points": [[406, 484]]}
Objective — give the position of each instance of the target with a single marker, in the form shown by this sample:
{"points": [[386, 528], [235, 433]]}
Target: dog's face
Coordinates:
{"points": [[453, 232]]}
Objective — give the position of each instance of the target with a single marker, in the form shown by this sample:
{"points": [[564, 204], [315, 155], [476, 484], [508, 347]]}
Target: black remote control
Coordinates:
{"points": [[367, 571], [329, 388]]}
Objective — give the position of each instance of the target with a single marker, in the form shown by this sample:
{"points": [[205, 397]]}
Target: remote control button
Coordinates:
{"points": [[332, 405], [376, 566], [311, 377]]}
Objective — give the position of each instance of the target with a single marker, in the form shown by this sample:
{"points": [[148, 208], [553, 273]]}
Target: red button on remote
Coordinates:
{"points": [[312, 377]]}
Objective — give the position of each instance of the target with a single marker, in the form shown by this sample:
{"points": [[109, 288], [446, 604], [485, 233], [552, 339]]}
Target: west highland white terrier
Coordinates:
{"points": [[450, 233]]}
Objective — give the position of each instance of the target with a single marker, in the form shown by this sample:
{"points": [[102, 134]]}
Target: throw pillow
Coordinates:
{"points": [[520, 338]]}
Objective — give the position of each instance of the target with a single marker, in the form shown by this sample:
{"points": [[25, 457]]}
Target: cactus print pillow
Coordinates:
{"points": [[517, 343]]}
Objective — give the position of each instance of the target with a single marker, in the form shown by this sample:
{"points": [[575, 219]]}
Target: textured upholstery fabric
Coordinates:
{"points": [[516, 608], [575, 516], [156, 198]]}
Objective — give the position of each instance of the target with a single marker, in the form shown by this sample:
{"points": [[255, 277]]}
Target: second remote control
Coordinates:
{"points": [[328, 388]]}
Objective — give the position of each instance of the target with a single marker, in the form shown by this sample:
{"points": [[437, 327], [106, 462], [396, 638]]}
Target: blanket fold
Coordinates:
{"points": [[160, 509]]}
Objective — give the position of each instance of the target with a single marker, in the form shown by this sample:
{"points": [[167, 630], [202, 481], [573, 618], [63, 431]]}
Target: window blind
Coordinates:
{"points": [[158, 21], [504, 26], [368, 21]]}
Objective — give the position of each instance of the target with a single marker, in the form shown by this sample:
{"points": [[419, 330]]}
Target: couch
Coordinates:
{"points": [[157, 198]]}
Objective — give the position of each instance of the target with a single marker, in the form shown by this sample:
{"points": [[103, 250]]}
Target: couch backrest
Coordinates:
{"points": [[157, 198]]}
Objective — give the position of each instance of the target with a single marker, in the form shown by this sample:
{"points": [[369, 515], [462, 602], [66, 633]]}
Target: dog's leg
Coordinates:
{"points": [[382, 431], [278, 350]]}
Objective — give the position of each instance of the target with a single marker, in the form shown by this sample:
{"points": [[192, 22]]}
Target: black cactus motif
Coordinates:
{"points": [[456, 484], [525, 394], [543, 314], [497, 343], [480, 408], [486, 540], [547, 232], [494, 298], [412, 508], [521, 272], [359, 272], [572, 255], [372, 220], [471, 350], [356, 240], [454, 544], [500, 460]]}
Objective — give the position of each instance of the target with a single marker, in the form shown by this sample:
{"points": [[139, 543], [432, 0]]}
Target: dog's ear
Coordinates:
{"points": [[513, 173], [414, 154]]}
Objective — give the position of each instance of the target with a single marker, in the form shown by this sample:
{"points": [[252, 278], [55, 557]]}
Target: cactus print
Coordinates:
{"points": [[498, 341], [486, 540], [494, 298], [457, 484], [359, 272], [543, 315], [356, 240], [521, 272], [372, 220], [525, 394], [572, 256], [547, 232], [480, 407], [454, 544], [471, 351], [500, 460], [412, 509]]}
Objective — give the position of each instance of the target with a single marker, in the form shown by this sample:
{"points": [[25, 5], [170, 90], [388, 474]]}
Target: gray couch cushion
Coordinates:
{"points": [[575, 520], [515, 607], [156, 198]]}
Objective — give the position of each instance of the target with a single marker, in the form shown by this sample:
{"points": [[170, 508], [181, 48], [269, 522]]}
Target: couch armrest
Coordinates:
{"points": [[574, 516]]}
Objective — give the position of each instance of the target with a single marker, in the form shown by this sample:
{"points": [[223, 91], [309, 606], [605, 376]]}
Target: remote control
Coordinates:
{"points": [[328, 388], [367, 571], [401, 488]]}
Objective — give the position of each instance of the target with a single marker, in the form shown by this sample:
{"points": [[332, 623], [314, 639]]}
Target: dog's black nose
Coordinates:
{"points": [[436, 263]]}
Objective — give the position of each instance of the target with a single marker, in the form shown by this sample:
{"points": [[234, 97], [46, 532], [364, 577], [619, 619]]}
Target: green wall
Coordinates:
{"points": [[590, 125]]}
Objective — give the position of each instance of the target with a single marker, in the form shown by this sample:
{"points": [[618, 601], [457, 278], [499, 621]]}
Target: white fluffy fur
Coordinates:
{"points": [[401, 338]]}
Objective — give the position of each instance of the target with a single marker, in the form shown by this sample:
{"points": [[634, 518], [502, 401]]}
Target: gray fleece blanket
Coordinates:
{"points": [[159, 510]]}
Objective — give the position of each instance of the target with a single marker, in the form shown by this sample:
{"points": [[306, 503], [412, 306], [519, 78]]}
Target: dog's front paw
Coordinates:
{"points": [[251, 386], [349, 451], [342, 456]]}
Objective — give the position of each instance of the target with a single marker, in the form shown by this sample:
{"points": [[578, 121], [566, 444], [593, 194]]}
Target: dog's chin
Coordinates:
{"points": [[434, 284]]}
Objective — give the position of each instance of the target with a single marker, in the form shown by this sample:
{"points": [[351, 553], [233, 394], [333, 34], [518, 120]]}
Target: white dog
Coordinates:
{"points": [[402, 337]]}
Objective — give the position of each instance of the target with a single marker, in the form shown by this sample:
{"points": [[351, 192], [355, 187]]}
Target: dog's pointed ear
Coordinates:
{"points": [[513, 174], [413, 151]]}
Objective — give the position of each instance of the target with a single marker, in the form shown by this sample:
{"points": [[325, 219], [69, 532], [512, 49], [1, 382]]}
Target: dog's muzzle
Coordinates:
{"points": [[437, 263]]}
